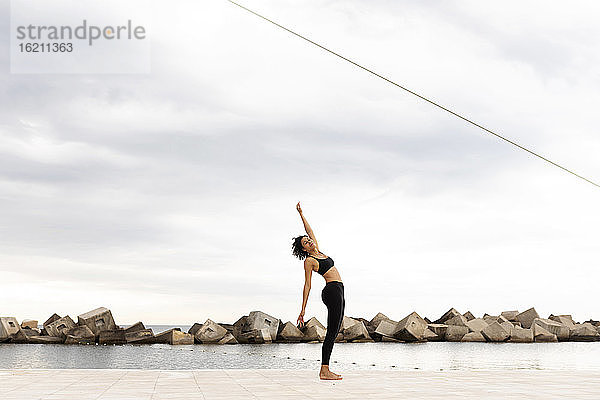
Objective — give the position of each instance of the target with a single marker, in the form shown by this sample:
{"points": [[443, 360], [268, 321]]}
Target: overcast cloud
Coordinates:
{"points": [[170, 197]]}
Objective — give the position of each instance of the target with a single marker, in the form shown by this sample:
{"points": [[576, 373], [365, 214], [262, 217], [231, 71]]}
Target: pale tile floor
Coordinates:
{"points": [[111, 384]]}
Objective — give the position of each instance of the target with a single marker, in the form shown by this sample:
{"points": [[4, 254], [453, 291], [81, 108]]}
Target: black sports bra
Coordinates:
{"points": [[325, 264]]}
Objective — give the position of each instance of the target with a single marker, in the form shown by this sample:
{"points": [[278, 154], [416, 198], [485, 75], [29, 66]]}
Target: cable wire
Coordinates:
{"points": [[416, 94]]}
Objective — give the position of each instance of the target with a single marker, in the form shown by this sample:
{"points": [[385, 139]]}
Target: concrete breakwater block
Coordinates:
{"points": [[365, 321], [508, 327], [473, 337], [500, 319], [313, 330], [542, 335], [228, 339], [243, 334], [256, 327], [195, 328], [455, 333], [585, 332], [19, 337], [495, 332], [256, 336], [142, 336], [410, 328], [32, 331], [59, 327], [386, 328], [112, 336], [451, 313], [521, 335], [80, 331], [356, 331], [29, 323], [458, 320], [468, 315], [138, 326], [240, 326], [80, 335], [259, 320], [371, 328], [561, 331], [50, 320], [210, 332], [314, 322], [279, 328], [566, 320], [376, 320], [477, 324], [97, 320], [290, 333], [315, 333], [181, 338], [526, 317], [347, 322], [174, 336], [229, 327], [9, 326], [429, 335], [438, 329], [510, 315]]}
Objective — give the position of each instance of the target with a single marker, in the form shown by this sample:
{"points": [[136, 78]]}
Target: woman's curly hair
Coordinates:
{"points": [[297, 249]]}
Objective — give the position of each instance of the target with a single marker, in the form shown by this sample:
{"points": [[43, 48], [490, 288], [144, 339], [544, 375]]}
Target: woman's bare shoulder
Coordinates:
{"points": [[310, 262]]}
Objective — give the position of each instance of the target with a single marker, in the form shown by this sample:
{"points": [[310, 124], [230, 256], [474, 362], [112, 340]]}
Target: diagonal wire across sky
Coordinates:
{"points": [[416, 94]]}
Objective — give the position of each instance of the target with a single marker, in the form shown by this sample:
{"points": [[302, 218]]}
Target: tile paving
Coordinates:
{"points": [[114, 384]]}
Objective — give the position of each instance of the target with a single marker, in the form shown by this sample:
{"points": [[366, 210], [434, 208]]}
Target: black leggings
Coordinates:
{"points": [[333, 297]]}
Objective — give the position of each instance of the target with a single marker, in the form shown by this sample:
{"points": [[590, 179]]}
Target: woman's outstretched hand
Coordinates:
{"points": [[300, 321], [298, 208]]}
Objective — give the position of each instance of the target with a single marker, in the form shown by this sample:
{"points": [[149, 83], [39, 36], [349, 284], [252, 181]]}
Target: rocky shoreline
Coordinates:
{"points": [[98, 327]]}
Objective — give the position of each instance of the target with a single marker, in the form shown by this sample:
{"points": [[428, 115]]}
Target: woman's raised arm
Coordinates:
{"points": [[307, 227]]}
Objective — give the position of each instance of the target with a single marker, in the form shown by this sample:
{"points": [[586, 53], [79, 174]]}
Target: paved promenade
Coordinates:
{"points": [[295, 384]]}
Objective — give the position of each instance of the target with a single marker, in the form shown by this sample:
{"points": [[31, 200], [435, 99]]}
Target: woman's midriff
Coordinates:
{"points": [[332, 275]]}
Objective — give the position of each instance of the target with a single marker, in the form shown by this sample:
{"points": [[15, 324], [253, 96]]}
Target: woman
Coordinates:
{"points": [[306, 248]]}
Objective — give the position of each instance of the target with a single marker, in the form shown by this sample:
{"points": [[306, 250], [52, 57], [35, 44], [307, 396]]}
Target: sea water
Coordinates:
{"points": [[430, 356]]}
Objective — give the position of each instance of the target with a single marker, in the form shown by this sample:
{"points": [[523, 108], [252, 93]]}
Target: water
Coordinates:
{"points": [[432, 356]]}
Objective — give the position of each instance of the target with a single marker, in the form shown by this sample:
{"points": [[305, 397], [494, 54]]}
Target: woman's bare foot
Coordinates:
{"points": [[328, 375]]}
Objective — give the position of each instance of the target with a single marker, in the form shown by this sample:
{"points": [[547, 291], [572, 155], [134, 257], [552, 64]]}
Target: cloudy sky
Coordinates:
{"points": [[170, 197]]}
